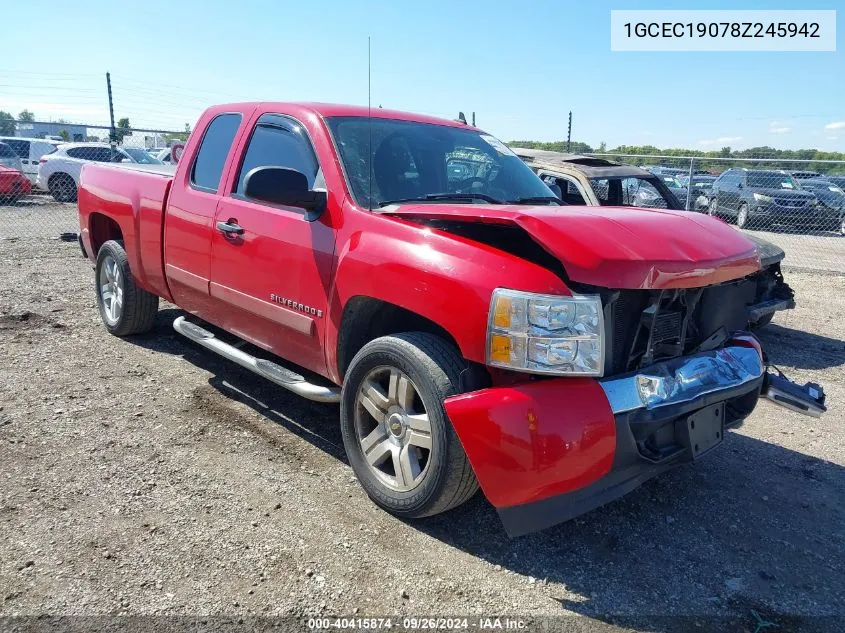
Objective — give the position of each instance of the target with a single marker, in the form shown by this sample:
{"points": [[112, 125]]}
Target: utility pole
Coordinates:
{"points": [[568, 134], [473, 119], [112, 131]]}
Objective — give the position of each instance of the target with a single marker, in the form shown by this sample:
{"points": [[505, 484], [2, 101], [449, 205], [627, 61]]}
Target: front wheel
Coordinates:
{"points": [[125, 307], [742, 216], [398, 438], [62, 188]]}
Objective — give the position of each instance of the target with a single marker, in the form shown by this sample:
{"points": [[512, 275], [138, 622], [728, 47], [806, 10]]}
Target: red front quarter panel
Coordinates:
{"points": [[537, 439]]}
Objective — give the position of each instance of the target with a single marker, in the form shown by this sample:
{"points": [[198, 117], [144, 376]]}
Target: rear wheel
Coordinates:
{"points": [[62, 188], [742, 216], [398, 438], [124, 307]]}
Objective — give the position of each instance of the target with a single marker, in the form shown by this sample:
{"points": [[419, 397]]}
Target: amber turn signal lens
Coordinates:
{"points": [[500, 348], [502, 312]]}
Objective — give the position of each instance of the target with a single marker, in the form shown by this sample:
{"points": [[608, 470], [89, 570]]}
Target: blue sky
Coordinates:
{"points": [[520, 66]]}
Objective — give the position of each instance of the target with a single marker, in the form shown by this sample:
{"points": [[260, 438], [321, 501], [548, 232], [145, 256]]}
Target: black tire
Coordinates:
{"points": [[139, 307], [62, 187], [762, 321], [434, 367], [742, 216]]}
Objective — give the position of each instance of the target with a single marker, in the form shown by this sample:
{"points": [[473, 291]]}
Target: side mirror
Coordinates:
{"points": [[287, 187], [556, 190]]}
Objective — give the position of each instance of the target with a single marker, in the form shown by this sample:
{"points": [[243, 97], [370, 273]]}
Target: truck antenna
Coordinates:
{"points": [[370, 121]]}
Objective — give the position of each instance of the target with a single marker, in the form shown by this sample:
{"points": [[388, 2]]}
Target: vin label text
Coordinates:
{"points": [[718, 30]]}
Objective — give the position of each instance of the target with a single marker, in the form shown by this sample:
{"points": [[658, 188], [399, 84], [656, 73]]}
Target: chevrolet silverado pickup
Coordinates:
{"points": [[414, 270]]}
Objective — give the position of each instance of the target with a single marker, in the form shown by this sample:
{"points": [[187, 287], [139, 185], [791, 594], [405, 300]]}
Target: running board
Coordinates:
{"points": [[264, 368]]}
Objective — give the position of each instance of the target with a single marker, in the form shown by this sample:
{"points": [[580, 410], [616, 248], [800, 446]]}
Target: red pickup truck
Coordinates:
{"points": [[473, 329]]}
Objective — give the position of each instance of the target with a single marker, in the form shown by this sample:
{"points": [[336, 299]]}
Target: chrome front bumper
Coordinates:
{"points": [[683, 379]]}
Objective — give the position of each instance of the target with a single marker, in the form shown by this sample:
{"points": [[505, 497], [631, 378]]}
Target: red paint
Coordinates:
{"points": [[621, 247], [537, 439], [13, 183]]}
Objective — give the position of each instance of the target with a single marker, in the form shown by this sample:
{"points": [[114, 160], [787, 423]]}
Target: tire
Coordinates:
{"points": [[62, 187], [742, 216], [124, 307], [762, 321], [433, 369], [713, 207]]}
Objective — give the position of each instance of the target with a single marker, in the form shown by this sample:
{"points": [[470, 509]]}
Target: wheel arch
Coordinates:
{"points": [[366, 318], [101, 229]]}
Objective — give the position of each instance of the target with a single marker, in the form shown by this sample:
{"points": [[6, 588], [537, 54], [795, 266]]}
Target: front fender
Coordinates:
{"points": [[447, 280]]}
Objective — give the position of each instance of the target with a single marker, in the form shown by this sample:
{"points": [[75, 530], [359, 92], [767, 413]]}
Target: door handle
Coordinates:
{"points": [[230, 227]]}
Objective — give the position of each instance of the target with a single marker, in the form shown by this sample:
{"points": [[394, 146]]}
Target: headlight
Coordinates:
{"points": [[546, 334], [759, 197]]}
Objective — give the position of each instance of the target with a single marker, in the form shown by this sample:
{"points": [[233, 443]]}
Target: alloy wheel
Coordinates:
{"points": [[393, 428], [110, 285]]}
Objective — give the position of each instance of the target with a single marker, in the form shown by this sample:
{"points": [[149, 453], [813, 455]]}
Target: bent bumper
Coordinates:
{"points": [[547, 451]]}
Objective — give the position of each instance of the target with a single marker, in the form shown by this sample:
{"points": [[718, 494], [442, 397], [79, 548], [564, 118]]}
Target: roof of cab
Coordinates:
{"points": [[326, 110]]}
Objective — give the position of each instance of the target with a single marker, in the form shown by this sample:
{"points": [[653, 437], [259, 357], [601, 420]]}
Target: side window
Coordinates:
{"points": [[214, 148], [97, 154], [570, 193], [278, 142], [21, 148]]}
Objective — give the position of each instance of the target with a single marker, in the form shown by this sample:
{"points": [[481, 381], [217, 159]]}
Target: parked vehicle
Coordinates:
{"points": [[702, 185], [59, 171], [584, 180], [831, 200], [13, 185], [839, 181], [804, 175], [141, 156], [165, 155], [762, 199], [473, 331], [8, 158], [667, 171], [30, 151]]}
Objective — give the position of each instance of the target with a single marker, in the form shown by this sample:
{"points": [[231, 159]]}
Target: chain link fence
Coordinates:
{"points": [[798, 205], [40, 167]]}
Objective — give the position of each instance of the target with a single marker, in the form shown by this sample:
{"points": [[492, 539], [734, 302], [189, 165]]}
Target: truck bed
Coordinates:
{"points": [[134, 197]]}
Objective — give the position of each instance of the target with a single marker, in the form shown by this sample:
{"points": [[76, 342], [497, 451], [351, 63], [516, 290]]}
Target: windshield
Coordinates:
{"points": [[419, 161], [771, 180], [141, 156]]}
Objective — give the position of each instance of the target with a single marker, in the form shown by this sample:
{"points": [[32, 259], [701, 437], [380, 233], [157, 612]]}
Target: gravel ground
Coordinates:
{"points": [[147, 476]]}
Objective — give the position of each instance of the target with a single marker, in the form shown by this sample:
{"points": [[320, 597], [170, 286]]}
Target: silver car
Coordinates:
{"points": [[9, 158]]}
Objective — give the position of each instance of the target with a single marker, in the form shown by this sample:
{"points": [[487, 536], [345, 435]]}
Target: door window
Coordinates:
{"points": [[569, 191], [97, 154], [215, 146], [278, 142]]}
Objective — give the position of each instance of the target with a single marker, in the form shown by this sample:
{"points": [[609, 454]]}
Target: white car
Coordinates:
{"points": [[30, 151], [59, 172]]}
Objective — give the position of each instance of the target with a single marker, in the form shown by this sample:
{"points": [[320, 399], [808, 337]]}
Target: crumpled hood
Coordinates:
{"points": [[618, 247]]}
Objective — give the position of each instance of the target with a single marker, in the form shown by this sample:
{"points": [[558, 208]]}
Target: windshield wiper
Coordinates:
{"points": [[460, 197], [536, 200]]}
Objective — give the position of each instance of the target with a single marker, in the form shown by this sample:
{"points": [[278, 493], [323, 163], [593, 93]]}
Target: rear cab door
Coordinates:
{"points": [[271, 282], [192, 204]]}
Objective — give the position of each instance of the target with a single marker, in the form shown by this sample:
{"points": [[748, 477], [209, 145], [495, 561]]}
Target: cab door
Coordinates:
{"points": [[271, 265]]}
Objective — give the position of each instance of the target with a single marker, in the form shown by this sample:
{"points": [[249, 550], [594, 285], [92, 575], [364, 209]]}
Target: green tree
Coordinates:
{"points": [[65, 135], [123, 130], [26, 115], [182, 136], [7, 124]]}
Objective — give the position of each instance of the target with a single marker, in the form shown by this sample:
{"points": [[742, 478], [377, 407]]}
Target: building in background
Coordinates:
{"points": [[56, 131]]}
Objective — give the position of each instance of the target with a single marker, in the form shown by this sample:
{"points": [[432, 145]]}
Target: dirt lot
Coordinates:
{"points": [[146, 476]]}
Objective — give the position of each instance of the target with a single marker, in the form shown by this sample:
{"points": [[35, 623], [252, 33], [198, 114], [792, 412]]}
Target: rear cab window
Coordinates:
{"points": [[214, 149]]}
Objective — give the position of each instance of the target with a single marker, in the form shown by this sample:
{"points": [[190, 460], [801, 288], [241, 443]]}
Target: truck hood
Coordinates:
{"points": [[616, 247]]}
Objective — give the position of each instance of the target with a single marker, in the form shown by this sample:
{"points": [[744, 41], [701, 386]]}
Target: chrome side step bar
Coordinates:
{"points": [[264, 368]]}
